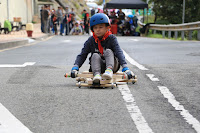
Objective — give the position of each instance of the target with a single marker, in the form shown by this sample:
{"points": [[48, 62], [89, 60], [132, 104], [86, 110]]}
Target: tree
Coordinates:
{"points": [[172, 11]]}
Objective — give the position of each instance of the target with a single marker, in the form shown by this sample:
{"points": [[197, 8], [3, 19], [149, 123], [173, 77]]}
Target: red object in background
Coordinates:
{"points": [[114, 28], [29, 33]]}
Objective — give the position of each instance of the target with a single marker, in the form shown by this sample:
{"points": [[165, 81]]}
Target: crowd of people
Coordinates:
{"points": [[126, 25], [63, 22]]}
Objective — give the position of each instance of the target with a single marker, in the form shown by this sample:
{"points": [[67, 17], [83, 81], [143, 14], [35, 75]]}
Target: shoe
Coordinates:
{"points": [[108, 74], [97, 79]]}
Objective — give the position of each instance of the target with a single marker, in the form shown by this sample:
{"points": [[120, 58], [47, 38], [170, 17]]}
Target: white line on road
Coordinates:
{"points": [[9, 123], [133, 62], [136, 40], [23, 65], [180, 108], [66, 41], [151, 77], [134, 110]]}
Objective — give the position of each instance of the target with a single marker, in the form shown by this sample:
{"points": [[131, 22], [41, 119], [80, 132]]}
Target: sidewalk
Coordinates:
{"points": [[16, 38]]}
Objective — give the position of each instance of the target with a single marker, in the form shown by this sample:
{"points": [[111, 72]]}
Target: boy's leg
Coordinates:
{"points": [[109, 59], [96, 62]]}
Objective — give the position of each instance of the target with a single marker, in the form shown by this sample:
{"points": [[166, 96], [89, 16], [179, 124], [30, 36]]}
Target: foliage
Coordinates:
{"points": [[100, 2], [172, 11]]}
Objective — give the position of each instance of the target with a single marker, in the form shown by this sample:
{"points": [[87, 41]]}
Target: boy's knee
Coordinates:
{"points": [[95, 56], [108, 52]]}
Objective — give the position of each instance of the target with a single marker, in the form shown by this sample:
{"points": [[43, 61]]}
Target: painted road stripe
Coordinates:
{"points": [[180, 108], [66, 41], [134, 110], [133, 62], [151, 77], [23, 65], [9, 123], [136, 40]]}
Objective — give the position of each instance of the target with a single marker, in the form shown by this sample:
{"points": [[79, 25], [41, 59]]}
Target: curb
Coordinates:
{"points": [[19, 42], [14, 43]]}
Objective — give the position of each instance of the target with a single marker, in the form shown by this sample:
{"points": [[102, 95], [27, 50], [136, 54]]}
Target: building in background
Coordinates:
{"points": [[27, 10]]}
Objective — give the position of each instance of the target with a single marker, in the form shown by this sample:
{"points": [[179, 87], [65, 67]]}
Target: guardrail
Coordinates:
{"points": [[189, 27]]}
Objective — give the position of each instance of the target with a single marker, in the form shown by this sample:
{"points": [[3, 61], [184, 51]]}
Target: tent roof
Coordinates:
{"points": [[126, 4]]}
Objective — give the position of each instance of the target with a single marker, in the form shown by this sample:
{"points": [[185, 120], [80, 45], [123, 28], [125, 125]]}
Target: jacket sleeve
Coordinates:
{"points": [[80, 59], [118, 51]]}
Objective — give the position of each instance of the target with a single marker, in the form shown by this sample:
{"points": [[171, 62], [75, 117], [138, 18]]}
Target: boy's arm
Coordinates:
{"points": [[118, 52], [80, 59]]}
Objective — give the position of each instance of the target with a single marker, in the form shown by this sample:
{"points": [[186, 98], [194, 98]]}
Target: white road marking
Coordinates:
{"points": [[66, 41], [133, 62], [9, 123], [151, 77], [134, 110], [23, 65], [136, 40], [180, 108]]}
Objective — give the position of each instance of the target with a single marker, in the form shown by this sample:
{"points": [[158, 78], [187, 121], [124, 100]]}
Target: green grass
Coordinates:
{"points": [[150, 19], [155, 35]]}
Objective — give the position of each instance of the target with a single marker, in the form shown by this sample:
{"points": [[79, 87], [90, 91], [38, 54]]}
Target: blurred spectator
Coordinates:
{"points": [[121, 15], [137, 13], [113, 17], [65, 22], [76, 30], [59, 14], [55, 22], [92, 11], [45, 16], [82, 26], [86, 21], [41, 18]]}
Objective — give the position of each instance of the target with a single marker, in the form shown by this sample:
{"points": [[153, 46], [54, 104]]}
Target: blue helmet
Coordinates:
{"points": [[99, 18]]}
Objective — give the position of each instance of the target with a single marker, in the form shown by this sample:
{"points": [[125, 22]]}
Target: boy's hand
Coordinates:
{"points": [[74, 72]]}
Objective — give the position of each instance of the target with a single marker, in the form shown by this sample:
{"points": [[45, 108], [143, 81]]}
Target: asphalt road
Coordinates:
{"points": [[166, 98]]}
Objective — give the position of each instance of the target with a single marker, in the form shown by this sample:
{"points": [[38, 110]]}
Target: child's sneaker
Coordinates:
{"points": [[97, 79], [108, 74]]}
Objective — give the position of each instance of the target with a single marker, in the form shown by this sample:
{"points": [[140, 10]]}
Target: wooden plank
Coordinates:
{"points": [[89, 81], [91, 85]]}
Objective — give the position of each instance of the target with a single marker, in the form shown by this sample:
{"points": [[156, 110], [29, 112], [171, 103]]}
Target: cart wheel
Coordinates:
{"points": [[112, 86], [133, 82], [79, 84]]}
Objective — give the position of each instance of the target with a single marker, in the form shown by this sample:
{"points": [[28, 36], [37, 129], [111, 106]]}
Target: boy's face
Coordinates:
{"points": [[100, 29]]}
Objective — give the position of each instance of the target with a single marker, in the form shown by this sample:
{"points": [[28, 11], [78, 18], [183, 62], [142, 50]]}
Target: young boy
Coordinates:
{"points": [[106, 54]]}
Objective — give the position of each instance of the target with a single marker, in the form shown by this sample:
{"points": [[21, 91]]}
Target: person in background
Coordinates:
{"points": [[41, 18], [65, 22], [45, 16], [86, 22], [82, 26], [49, 18], [59, 14], [113, 17], [121, 15], [92, 11], [55, 22], [76, 30]]}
